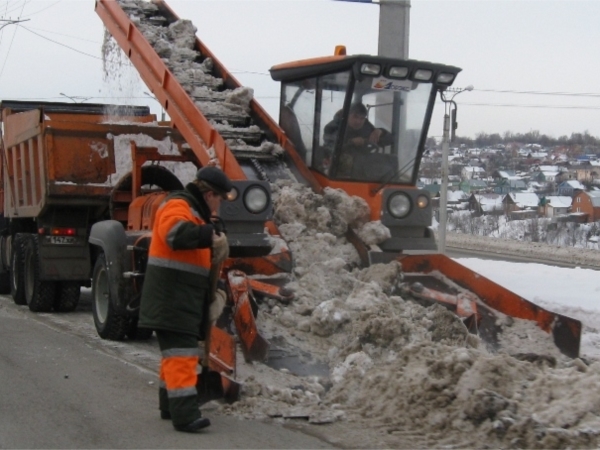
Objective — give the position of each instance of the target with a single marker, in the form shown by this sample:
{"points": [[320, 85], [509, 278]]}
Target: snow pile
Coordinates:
{"points": [[185, 171], [396, 366]]}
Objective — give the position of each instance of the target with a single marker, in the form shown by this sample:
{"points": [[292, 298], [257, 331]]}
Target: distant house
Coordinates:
{"points": [[469, 186], [588, 173], [434, 189], [457, 200], [545, 176], [569, 187], [554, 205], [588, 204], [506, 186], [485, 203], [504, 175], [472, 172], [521, 205]]}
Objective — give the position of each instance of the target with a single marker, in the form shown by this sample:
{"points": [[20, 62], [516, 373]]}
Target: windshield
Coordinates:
{"points": [[373, 137], [384, 125]]}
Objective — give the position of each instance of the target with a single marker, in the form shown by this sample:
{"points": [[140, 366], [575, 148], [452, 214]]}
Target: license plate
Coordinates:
{"points": [[62, 240]]}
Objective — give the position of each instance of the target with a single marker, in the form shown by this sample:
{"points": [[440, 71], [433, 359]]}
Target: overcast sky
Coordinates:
{"points": [[507, 50]]}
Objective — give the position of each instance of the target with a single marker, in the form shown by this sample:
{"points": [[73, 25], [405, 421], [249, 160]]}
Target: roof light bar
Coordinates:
{"points": [[370, 69], [423, 75], [398, 72], [445, 78]]}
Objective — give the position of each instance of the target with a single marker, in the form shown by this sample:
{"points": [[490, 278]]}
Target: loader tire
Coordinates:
{"points": [[17, 283], [67, 296], [136, 333], [109, 324], [39, 294]]}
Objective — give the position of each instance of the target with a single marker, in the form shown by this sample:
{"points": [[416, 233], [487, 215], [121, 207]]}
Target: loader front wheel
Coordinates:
{"points": [[109, 324], [67, 296], [39, 294], [17, 283]]}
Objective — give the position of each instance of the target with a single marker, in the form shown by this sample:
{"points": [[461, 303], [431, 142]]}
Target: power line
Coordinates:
{"points": [[66, 35], [533, 106], [44, 9], [568, 94], [11, 42], [61, 44]]}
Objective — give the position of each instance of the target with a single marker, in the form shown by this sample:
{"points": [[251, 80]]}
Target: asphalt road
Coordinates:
{"points": [[63, 387]]}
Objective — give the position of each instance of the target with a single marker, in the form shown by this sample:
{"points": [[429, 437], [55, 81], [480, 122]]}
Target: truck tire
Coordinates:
{"points": [[5, 283], [109, 324], [4, 266], [39, 294], [17, 283], [67, 296]]}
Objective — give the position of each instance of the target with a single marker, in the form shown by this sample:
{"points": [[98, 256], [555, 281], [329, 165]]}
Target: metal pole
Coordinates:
{"points": [[443, 211], [394, 28]]}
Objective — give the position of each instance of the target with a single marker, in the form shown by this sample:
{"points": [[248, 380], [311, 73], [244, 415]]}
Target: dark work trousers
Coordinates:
{"points": [[177, 391]]}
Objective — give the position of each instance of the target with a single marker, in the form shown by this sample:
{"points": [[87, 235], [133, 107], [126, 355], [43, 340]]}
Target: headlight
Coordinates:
{"points": [[256, 199], [232, 195], [445, 78], [422, 201], [399, 205], [423, 75], [398, 72], [370, 69]]}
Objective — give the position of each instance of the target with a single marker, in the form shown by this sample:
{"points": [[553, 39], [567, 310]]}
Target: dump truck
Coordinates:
{"points": [[202, 99], [61, 173]]}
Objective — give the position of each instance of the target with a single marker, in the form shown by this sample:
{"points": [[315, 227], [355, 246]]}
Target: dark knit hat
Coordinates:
{"points": [[216, 179]]}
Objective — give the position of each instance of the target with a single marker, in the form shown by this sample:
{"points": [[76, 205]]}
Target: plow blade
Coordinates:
{"points": [[218, 381], [566, 332], [254, 346]]}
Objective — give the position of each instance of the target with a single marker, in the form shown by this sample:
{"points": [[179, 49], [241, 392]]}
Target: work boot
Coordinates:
{"points": [[195, 426]]}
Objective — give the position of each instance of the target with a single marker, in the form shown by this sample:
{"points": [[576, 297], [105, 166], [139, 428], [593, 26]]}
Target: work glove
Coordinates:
{"points": [[216, 305], [220, 248]]}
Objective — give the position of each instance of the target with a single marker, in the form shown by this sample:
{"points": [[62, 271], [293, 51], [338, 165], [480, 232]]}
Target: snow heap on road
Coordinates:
{"points": [[403, 374]]}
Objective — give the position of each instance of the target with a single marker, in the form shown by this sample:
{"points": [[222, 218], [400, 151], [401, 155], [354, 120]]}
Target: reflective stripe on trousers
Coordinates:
{"points": [[178, 371]]}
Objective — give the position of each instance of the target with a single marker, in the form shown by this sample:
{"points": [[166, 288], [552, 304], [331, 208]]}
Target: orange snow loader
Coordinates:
{"points": [[398, 96]]}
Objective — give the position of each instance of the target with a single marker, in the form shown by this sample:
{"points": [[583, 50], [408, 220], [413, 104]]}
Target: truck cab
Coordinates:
{"points": [[320, 99]]}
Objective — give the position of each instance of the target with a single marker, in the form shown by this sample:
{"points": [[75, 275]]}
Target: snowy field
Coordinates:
{"points": [[572, 292]]}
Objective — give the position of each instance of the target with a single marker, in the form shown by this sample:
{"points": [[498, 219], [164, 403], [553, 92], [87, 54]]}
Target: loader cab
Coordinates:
{"points": [[320, 99], [316, 112]]}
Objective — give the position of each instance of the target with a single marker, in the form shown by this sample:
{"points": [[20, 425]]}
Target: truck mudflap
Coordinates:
{"points": [[566, 332]]}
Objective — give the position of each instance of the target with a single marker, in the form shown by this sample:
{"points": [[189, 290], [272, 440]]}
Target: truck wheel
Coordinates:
{"points": [[136, 333], [17, 283], [39, 294], [109, 324], [67, 296], [5, 283], [5, 266]]}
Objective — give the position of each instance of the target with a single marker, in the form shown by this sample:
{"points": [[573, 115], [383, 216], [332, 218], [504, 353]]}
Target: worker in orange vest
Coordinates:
{"points": [[186, 241]]}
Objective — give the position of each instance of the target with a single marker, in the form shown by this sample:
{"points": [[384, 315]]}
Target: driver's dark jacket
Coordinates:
{"points": [[330, 133], [176, 284]]}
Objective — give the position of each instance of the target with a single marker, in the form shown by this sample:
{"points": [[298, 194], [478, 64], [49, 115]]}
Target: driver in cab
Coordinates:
{"points": [[360, 139], [359, 132]]}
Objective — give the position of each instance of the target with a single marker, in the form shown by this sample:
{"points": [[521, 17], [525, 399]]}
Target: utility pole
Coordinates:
{"points": [[394, 28], [443, 211]]}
